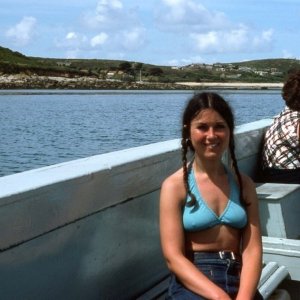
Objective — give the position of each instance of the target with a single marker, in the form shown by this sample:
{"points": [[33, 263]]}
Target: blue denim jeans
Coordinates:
{"points": [[224, 272]]}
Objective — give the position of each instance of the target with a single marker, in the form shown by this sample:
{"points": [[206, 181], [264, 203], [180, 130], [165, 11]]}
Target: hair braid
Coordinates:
{"points": [[236, 169], [186, 167]]}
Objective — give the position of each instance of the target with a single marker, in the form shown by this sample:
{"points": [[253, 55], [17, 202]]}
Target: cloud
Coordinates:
{"points": [[187, 15], [263, 40], [71, 36], [133, 39], [99, 39], [107, 15], [73, 42], [210, 31], [240, 39], [114, 4], [109, 20], [287, 54], [23, 32]]}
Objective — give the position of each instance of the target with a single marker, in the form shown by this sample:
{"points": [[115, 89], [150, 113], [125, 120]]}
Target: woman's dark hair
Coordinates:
{"points": [[194, 106], [291, 90]]}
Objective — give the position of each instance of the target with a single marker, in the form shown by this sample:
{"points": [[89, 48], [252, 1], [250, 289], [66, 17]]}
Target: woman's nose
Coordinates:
{"points": [[211, 132]]}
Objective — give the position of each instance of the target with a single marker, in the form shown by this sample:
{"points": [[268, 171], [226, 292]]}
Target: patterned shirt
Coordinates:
{"points": [[281, 148]]}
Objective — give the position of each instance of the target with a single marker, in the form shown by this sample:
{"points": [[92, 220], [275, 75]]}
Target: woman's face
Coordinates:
{"points": [[209, 134]]}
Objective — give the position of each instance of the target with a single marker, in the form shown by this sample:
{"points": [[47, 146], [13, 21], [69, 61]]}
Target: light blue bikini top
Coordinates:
{"points": [[200, 216]]}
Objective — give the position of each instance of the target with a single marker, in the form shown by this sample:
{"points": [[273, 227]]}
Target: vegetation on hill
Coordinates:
{"points": [[267, 70]]}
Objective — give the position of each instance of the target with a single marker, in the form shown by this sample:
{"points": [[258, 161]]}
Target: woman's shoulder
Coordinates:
{"points": [[248, 183], [247, 180], [249, 188], [174, 185], [175, 180]]}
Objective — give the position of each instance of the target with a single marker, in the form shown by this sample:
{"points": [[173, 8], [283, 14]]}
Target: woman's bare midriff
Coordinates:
{"points": [[217, 238]]}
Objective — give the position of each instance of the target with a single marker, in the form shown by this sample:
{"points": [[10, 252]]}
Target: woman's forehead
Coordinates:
{"points": [[208, 114]]}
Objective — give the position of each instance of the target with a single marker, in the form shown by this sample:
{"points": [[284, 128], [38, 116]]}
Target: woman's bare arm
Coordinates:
{"points": [[251, 245]]}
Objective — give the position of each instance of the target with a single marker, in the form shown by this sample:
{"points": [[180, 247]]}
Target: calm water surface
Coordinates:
{"points": [[40, 128]]}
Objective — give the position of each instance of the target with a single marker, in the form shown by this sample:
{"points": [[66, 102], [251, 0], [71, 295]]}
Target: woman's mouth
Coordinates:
{"points": [[212, 145]]}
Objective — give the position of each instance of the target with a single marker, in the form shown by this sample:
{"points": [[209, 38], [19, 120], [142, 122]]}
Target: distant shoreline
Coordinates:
{"points": [[234, 85], [22, 81]]}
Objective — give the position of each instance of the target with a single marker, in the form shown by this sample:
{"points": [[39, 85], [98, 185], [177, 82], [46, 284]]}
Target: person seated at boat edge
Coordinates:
{"points": [[281, 148], [209, 221]]}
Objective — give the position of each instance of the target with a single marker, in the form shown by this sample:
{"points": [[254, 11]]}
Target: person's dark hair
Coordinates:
{"points": [[194, 106], [291, 90]]}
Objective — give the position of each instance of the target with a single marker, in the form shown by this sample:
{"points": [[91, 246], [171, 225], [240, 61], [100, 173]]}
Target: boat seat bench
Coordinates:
{"points": [[281, 201], [272, 275]]}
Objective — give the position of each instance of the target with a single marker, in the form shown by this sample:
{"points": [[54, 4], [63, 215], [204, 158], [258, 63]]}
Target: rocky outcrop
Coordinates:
{"points": [[23, 81]]}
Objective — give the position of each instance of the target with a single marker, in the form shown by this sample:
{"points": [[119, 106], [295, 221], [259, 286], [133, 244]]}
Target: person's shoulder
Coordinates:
{"points": [[173, 185], [247, 181], [174, 181], [249, 188]]}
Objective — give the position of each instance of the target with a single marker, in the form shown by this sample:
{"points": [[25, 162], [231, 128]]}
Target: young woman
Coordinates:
{"points": [[209, 221]]}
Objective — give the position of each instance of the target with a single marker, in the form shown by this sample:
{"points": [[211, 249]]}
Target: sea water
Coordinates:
{"points": [[45, 127]]}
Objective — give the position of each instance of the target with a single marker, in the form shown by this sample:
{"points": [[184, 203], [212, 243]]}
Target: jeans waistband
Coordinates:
{"points": [[218, 255]]}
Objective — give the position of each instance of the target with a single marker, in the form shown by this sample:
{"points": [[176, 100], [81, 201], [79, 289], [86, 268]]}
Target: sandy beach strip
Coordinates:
{"points": [[234, 85]]}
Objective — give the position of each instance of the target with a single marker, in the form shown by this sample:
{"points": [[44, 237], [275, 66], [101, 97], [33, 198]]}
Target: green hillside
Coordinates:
{"points": [[283, 65], [266, 70]]}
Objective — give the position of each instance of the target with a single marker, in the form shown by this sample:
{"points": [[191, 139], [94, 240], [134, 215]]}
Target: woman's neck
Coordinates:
{"points": [[211, 168]]}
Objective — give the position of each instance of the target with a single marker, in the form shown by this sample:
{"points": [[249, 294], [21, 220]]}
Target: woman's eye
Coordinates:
{"points": [[220, 126], [203, 127]]}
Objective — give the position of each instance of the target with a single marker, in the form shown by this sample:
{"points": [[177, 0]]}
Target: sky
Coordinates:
{"points": [[159, 32]]}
